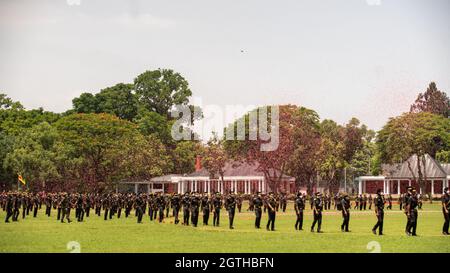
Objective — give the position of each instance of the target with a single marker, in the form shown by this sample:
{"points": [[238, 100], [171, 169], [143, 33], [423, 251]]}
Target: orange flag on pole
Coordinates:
{"points": [[21, 179]]}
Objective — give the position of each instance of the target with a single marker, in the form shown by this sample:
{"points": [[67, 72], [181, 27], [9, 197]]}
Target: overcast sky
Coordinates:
{"points": [[342, 58]]}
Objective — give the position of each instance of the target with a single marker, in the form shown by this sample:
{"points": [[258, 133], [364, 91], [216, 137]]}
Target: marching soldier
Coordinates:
{"points": [[167, 198], [35, 201], [138, 206], [411, 208], [345, 203], [186, 203], [205, 206], [106, 205], [128, 203], [160, 204], [230, 205], [251, 206], [271, 210], [283, 202], [88, 204], [364, 201], [357, 200], [65, 207], [379, 212], [389, 202], [150, 202], [79, 213], [98, 204], [257, 204], [370, 201], [48, 204], [317, 211], [445, 210], [328, 204], [120, 204], [16, 206], [336, 200], [58, 200], [24, 203], [195, 206], [9, 205], [217, 204], [299, 206], [419, 200], [406, 198], [239, 202], [176, 205]]}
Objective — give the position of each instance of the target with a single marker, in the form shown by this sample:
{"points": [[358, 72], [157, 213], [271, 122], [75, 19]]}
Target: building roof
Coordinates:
{"points": [[235, 169], [446, 168], [409, 169], [166, 178]]}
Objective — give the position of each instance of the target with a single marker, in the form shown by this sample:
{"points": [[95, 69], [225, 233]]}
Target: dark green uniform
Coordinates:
{"points": [[206, 206], [271, 211], [186, 203], [317, 211], [257, 206], [195, 206], [230, 205], [412, 215], [445, 211], [345, 203], [217, 204], [65, 208], [138, 205], [176, 205], [299, 206], [379, 211]]}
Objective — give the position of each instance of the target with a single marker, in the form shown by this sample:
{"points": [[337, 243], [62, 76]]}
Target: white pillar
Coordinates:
{"points": [[263, 182], [135, 188], [432, 187], [409, 182], [148, 188], [152, 186], [246, 187], [388, 185], [359, 186], [398, 189], [235, 186]]}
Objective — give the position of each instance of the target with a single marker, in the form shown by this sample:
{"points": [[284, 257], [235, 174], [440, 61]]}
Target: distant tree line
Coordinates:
{"points": [[123, 132]]}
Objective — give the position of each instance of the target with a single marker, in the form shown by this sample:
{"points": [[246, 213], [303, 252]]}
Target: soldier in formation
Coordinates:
{"points": [[20, 204]]}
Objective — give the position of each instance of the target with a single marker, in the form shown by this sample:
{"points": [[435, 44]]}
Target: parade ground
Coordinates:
{"points": [[46, 234]]}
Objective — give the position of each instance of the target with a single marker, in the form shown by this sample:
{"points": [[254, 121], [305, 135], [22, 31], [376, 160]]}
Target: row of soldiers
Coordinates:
{"points": [[159, 205]]}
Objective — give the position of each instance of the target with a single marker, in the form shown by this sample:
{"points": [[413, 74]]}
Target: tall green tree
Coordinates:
{"points": [[160, 90], [109, 149], [303, 163], [184, 156], [432, 101], [34, 155], [214, 157], [414, 134], [118, 100]]}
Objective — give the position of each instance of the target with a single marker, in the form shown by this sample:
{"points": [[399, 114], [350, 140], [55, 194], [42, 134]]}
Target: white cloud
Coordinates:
{"points": [[145, 20]]}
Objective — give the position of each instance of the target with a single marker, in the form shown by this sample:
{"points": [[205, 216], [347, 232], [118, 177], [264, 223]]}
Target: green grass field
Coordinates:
{"points": [[44, 234]]}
